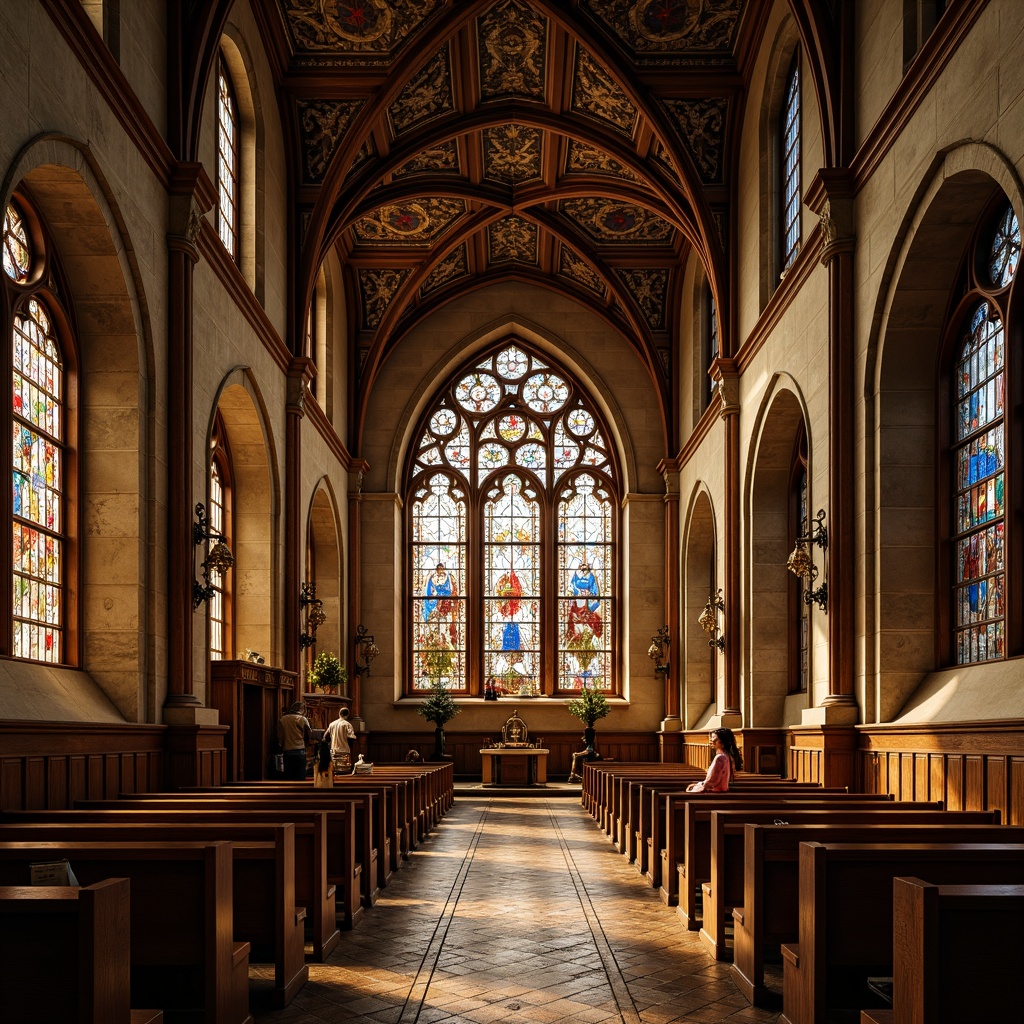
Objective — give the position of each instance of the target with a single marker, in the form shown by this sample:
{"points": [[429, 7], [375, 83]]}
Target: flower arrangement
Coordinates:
{"points": [[588, 707], [327, 675], [440, 706]]}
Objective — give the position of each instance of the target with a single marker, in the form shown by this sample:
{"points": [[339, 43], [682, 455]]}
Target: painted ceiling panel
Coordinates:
{"points": [[512, 46]]}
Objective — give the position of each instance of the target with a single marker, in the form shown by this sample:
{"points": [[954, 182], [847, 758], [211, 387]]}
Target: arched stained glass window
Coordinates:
{"points": [[17, 257], [228, 150], [512, 499], [799, 606], [38, 501], [789, 168]]}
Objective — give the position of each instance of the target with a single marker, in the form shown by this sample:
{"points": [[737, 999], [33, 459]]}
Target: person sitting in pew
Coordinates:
{"points": [[588, 753], [726, 762]]}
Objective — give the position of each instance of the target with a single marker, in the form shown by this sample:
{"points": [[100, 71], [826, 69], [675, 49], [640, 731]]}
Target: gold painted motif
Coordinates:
{"points": [[583, 158], [595, 94], [648, 288], [512, 153], [352, 27], [324, 123], [512, 44], [701, 123], [441, 159], [378, 288], [610, 220], [418, 223], [572, 267], [512, 240], [661, 155], [671, 25], [427, 94], [452, 267]]}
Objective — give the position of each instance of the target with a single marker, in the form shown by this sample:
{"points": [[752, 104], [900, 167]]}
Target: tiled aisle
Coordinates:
{"points": [[518, 910]]}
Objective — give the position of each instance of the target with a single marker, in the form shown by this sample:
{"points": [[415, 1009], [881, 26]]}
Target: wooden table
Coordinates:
{"points": [[515, 766]]}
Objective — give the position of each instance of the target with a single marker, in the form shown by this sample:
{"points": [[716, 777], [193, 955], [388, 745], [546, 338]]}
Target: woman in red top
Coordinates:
{"points": [[726, 762]]}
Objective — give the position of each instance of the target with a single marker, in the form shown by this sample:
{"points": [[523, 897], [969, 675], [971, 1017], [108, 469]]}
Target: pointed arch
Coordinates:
{"points": [[324, 567], [700, 582]]}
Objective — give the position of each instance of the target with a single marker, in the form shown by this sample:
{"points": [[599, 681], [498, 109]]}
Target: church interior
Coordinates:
{"points": [[503, 355]]}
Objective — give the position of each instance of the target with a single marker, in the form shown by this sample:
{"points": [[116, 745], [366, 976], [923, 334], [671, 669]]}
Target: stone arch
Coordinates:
{"points": [[255, 583], [700, 580], [765, 658], [900, 387], [324, 566], [120, 567]]}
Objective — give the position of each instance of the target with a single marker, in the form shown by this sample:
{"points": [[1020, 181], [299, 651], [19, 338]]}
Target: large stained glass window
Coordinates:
{"points": [[227, 161], [512, 519], [38, 503], [789, 170]]}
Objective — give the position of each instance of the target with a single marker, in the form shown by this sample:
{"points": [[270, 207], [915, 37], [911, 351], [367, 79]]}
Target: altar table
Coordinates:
{"points": [[515, 766]]}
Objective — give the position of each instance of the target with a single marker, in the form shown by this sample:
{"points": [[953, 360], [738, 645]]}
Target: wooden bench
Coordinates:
{"points": [[944, 934], [725, 889], [184, 958], [265, 911], [88, 981], [846, 914], [770, 914]]}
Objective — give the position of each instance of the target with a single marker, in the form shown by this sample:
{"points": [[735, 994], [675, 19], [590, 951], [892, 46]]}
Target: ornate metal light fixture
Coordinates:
{"points": [[218, 559], [660, 644], [708, 620], [366, 650], [801, 564], [315, 616]]}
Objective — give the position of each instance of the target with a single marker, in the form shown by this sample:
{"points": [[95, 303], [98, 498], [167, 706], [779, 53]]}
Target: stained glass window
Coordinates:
{"points": [[789, 172], [38, 553], [979, 469], [17, 256], [801, 677], [227, 162], [711, 347], [512, 494], [1005, 251], [218, 602]]}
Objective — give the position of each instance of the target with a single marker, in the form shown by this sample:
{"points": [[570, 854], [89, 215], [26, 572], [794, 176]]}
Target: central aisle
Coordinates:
{"points": [[518, 910]]}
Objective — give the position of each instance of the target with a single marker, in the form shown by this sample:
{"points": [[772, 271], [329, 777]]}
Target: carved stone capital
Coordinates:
{"points": [[830, 196], [726, 379]]}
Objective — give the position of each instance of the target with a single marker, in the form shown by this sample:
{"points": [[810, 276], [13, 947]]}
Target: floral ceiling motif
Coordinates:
{"points": [[512, 240], [324, 123], [660, 26], [408, 223], [377, 288], [595, 94], [648, 289], [452, 267], [512, 42], [427, 94], [441, 159], [609, 220], [353, 28], [583, 158], [701, 123], [512, 153], [579, 271]]}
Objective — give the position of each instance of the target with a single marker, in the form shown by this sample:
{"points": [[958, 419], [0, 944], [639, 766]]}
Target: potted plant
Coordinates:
{"points": [[439, 708], [327, 675], [588, 707]]}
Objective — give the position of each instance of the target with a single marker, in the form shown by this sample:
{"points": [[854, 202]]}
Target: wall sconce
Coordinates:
{"points": [[366, 650], [660, 643], [218, 559], [315, 616], [802, 566], [708, 620]]}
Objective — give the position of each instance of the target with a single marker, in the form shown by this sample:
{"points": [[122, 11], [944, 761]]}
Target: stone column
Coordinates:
{"points": [[300, 373], [830, 196], [356, 473], [672, 724]]}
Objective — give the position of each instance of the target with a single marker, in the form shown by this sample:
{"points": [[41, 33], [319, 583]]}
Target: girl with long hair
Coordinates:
{"points": [[724, 765]]}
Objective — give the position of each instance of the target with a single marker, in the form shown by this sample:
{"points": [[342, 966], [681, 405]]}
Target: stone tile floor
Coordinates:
{"points": [[516, 910]]}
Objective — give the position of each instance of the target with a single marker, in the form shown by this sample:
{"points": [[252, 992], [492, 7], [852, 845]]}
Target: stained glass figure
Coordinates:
{"points": [[1005, 251], [979, 474], [17, 254]]}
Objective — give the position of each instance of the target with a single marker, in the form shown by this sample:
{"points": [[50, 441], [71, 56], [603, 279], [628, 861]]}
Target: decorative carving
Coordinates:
{"points": [[828, 226], [512, 39], [324, 123], [512, 240], [194, 227], [453, 266], [610, 220], [408, 223], [701, 125], [595, 94], [586, 159], [661, 155], [440, 159], [378, 287], [671, 25], [579, 271], [427, 94], [648, 288], [512, 153], [352, 27]]}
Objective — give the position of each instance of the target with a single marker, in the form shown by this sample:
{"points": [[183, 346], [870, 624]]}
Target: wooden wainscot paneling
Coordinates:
{"points": [[823, 754], [968, 765], [49, 765]]}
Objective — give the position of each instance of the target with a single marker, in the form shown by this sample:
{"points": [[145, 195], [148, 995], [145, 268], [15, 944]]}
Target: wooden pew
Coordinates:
{"points": [[944, 934], [725, 889], [770, 914], [183, 955], [65, 955], [265, 911], [846, 913]]}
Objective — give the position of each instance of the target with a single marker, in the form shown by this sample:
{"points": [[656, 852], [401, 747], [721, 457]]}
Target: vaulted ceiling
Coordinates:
{"points": [[585, 145]]}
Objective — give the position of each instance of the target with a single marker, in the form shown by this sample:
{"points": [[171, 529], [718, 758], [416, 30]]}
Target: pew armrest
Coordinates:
{"points": [[791, 953], [737, 916]]}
